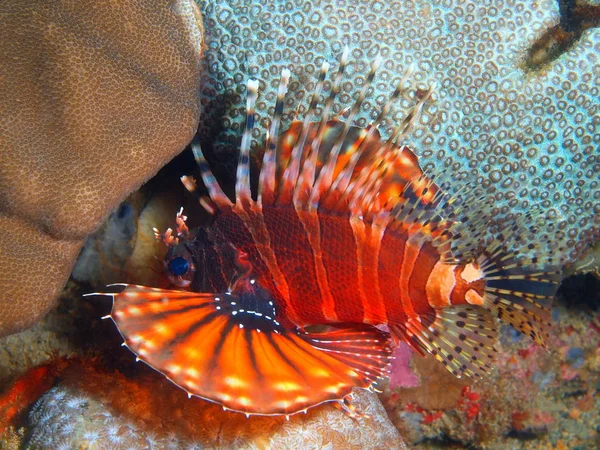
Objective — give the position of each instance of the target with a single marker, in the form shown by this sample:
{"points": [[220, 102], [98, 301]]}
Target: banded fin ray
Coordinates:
{"points": [[266, 184], [519, 285], [242, 186], [309, 171], [325, 178], [229, 349], [332, 165], [460, 337], [518, 294], [290, 175]]}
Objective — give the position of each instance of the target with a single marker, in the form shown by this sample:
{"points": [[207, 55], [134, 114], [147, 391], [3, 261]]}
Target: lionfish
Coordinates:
{"points": [[340, 248]]}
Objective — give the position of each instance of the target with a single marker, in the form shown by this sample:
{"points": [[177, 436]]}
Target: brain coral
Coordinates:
{"points": [[95, 97], [532, 137]]}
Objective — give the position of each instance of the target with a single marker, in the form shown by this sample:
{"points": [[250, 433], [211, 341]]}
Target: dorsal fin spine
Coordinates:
{"points": [[214, 189], [190, 184], [266, 183], [242, 186], [325, 177], [307, 177], [355, 188], [342, 181], [290, 175], [340, 184], [404, 127]]}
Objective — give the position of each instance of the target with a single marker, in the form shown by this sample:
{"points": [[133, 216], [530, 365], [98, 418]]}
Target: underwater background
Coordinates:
{"points": [[516, 109]]}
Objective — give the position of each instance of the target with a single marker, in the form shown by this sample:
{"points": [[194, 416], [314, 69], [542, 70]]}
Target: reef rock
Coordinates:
{"points": [[92, 407]]}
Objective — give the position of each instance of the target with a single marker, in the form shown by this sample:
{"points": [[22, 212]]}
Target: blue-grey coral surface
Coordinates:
{"points": [[533, 137], [67, 418]]}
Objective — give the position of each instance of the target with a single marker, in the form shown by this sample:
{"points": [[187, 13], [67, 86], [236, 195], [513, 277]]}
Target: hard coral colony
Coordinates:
{"points": [[78, 92], [336, 250]]}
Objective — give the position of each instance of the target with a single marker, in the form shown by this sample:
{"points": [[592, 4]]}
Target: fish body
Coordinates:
{"points": [[338, 248], [401, 276]]}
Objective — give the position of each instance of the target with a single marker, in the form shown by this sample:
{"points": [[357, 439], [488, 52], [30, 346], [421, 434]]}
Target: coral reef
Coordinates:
{"points": [[530, 135], [92, 407], [87, 114], [58, 334], [127, 405], [528, 400], [23, 392], [535, 398], [136, 406]]}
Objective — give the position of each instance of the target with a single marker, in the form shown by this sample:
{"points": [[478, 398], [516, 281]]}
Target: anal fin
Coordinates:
{"points": [[362, 347], [230, 349]]}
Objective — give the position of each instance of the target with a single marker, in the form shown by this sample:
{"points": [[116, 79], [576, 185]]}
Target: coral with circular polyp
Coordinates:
{"points": [[95, 97], [533, 137], [91, 405]]}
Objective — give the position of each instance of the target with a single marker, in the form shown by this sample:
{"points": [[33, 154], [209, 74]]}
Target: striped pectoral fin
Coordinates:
{"points": [[461, 337], [231, 350]]}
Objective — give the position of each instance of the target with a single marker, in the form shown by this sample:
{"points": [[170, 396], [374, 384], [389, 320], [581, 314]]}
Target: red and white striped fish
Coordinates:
{"points": [[302, 286]]}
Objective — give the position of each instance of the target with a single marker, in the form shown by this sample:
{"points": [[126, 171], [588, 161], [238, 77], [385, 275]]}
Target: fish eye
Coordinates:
{"points": [[179, 266]]}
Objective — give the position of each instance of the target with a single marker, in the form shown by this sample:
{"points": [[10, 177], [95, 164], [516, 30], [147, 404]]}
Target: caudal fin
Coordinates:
{"points": [[230, 349], [519, 293]]}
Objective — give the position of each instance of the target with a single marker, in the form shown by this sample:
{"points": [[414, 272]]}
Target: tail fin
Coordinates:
{"points": [[504, 284], [519, 293], [231, 350]]}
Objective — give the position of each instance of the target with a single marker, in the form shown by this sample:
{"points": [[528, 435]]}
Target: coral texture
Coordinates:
{"points": [[532, 136], [93, 408], [95, 97], [124, 249], [533, 399]]}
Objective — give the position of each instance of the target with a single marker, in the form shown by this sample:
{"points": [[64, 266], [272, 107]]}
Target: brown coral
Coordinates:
{"points": [[95, 97]]}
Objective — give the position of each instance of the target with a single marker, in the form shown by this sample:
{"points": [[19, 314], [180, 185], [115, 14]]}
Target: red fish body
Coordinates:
{"points": [[400, 278], [300, 288]]}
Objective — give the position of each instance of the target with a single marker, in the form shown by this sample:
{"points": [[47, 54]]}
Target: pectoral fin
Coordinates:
{"points": [[229, 349]]}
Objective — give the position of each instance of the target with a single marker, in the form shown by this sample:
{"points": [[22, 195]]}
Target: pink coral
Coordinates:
{"points": [[401, 375]]}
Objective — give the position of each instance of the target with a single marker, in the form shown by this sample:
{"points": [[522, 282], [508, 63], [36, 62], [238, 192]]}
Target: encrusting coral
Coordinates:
{"points": [[95, 97], [532, 136], [535, 399]]}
